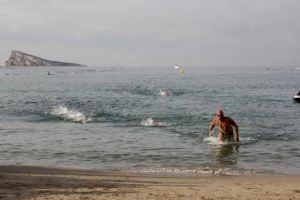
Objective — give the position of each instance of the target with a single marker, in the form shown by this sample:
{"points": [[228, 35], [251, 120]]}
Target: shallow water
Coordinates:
{"points": [[88, 117]]}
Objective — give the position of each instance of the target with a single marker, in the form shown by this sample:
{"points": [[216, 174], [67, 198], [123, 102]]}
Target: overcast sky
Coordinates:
{"points": [[154, 32]]}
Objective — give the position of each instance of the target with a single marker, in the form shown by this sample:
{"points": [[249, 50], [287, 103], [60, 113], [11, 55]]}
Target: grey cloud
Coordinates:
{"points": [[156, 32]]}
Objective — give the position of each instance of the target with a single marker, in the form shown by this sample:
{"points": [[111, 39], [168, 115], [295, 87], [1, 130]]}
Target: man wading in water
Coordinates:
{"points": [[225, 125]]}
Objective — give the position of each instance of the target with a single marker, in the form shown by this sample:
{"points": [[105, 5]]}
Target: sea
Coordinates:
{"points": [[150, 119]]}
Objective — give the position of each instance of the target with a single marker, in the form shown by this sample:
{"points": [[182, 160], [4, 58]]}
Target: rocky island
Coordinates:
{"points": [[18, 58]]}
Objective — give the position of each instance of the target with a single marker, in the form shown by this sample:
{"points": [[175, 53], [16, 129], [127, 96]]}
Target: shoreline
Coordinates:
{"points": [[39, 183]]}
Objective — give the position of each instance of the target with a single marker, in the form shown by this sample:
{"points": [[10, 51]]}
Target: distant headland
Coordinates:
{"points": [[18, 58]]}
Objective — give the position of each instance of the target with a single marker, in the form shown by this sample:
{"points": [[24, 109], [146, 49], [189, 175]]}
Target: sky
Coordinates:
{"points": [[154, 32]]}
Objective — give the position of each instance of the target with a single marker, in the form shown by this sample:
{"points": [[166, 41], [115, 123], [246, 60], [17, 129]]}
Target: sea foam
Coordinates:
{"points": [[214, 141], [151, 122], [195, 171], [69, 115]]}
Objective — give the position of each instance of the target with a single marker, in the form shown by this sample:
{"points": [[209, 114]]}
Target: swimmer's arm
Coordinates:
{"points": [[237, 139], [212, 126], [237, 134]]}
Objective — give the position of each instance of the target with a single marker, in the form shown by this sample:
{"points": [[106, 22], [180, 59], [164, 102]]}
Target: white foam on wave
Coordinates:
{"points": [[68, 114], [151, 122], [190, 171], [215, 141]]}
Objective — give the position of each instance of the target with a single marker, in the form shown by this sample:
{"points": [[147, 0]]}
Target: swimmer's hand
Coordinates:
{"points": [[210, 133]]}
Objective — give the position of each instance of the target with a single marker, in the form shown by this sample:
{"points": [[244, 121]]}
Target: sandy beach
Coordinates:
{"points": [[28, 182]]}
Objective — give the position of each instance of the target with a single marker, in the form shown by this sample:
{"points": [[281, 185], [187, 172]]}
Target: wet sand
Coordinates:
{"points": [[37, 183]]}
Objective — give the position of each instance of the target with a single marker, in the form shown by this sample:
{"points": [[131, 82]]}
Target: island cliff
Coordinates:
{"points": [[18, 58]]}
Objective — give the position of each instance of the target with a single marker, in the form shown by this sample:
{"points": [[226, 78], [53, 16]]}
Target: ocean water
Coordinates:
{"points": [[119, 119]]}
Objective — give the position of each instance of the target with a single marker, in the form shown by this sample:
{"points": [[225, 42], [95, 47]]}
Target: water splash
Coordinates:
{"points": [[211, 140], [151, 122], [164, 92], [69, 115], [215, 141]]}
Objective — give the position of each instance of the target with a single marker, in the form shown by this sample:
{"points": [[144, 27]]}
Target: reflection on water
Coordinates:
{"points": [[227, 154]]}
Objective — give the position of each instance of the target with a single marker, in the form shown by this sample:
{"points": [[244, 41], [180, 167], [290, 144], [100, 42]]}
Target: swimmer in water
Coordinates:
{"points": [[225, 125]]}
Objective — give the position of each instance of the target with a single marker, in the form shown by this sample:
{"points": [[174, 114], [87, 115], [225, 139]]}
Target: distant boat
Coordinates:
{"points": [[297, 97]]}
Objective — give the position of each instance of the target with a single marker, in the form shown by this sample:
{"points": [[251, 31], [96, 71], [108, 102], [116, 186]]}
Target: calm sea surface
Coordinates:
{"points": [[100, 118]]}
